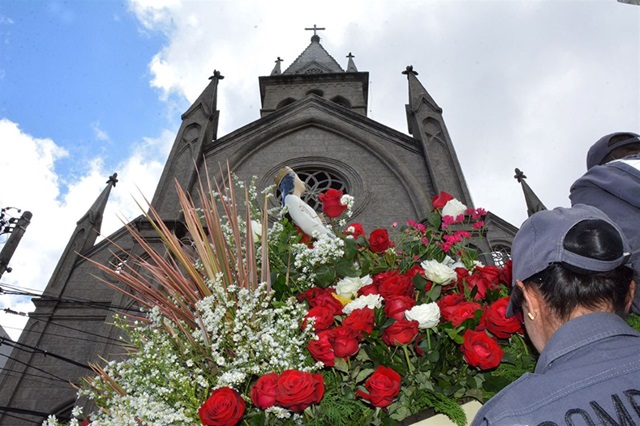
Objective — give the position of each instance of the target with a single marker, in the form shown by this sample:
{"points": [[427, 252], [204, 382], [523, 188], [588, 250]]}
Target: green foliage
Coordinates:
{"points": [[634, 321]]}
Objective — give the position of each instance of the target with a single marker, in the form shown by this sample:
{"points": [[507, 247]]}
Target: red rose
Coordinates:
{"points": [[379, 278], [323, 316], [379, 241], [359, 321], [484, 278], [505, 273], [310, 295], [395, 306], [331, 205], [321, 349], [497, 323], [395, 284], [383, 387], [344, 342], [440, 200], [263, 393], [481, 350], [355, 230], [297, 390], [368, 289], [400, 332], [328, 301], [304, 237], [461, 273], [460, 312], [415, 270], [450, 300], [224, 407]]}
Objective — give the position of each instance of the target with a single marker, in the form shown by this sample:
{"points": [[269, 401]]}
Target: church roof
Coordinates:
{"points": [[314, 60]]}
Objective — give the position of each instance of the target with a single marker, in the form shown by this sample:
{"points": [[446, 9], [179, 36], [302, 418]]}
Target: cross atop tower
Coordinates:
{"points": [[315, 37]]}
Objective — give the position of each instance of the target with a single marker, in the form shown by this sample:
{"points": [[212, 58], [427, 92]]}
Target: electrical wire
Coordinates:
{"points": [[13, 416], [16, 291], [36, 350], [62, 335], [36, 368], [11, 311], [29, 376]]}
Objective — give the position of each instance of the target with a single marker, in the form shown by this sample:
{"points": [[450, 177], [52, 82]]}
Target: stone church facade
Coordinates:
{"points": [[313, 119]]}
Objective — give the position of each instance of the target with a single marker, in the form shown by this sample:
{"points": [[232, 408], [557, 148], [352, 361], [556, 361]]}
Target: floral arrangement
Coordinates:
{"points": [[255, 323]]}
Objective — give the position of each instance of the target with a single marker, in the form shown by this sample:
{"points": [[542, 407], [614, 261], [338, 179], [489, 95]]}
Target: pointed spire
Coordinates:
{"points": [[314, 59], [417, 93], [533, 202], [92, 219], [276, 69], [351, 66], [208, 99], [82, 239]]}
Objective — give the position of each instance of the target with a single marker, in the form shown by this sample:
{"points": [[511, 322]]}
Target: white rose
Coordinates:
{"points": [[453, 208], [437, 272], [370, 301], [348, 287], [427, 315]]}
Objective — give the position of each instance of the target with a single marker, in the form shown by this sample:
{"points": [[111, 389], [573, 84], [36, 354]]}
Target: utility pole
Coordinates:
{"points": [[16, 228]]}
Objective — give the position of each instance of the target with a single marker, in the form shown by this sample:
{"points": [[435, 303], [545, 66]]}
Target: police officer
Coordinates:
{"points": [[612, 184], [571, 286]]}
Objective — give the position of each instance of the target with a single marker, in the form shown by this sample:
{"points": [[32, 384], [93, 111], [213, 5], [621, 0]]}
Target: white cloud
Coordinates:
{"points": [[100, 134], [37, 188], [522, 84]]}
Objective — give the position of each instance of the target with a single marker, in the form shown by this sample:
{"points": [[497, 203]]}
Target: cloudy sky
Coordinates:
{"points": [[91, 88]]}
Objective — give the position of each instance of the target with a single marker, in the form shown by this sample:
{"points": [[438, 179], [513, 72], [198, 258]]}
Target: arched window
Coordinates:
{"points": [[340, 100], [316, 92], [283, 103], [117, 262], [500, 255]]}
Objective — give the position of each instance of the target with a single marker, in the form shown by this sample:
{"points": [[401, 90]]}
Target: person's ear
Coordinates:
{"points": [[630, 296], [531, 303]]}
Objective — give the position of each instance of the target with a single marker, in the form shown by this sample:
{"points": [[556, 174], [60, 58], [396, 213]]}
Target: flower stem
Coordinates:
{"points": [[406, 355]]}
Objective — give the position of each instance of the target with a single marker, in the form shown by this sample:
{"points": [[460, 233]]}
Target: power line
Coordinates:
{"points": [[83, 302], [36, 350], [66, 336], [20, 374], [11, 311], [36, 368]]}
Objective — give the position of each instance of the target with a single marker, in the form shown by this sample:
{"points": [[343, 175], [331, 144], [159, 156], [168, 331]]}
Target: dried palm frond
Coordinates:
{"points": [[174, 277]]}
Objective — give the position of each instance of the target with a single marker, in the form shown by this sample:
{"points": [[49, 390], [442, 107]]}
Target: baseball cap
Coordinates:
{"points": [[600, 149], [540, 242]]}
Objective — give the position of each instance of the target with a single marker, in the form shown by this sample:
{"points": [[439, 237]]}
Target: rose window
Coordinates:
{"points": [[500, 255]]}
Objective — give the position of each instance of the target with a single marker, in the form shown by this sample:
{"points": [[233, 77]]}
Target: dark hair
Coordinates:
{"points": [[623, 151], [565, 287]]}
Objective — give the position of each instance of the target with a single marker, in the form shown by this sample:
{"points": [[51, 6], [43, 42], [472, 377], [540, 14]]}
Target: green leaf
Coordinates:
{"points": [[433, 356], [350, 248], [419, 282], [325, 275], [344, 268], [363, 374], [455, 336], [435, 292], [434, 219], [341, 365]]}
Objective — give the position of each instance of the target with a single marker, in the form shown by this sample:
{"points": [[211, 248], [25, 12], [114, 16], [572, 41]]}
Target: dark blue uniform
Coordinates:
{"points": [[587, 374]]}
